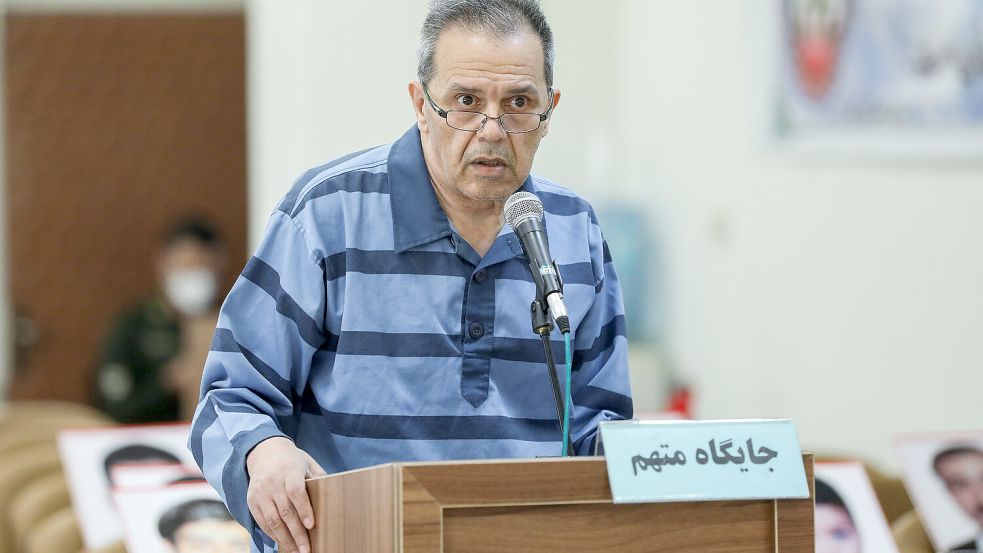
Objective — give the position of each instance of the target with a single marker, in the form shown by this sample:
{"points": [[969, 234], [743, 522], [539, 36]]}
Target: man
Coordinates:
{"points": [[961, 470], [385, 316], [136, 454], [202, 526], [835, 529], [153, 351]]}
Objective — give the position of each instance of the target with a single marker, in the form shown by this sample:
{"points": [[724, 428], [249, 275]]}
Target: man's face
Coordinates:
{"points": [[188, 274], [963, 477], [211, 536], [476, 71], [835, 532], [187, 254]]}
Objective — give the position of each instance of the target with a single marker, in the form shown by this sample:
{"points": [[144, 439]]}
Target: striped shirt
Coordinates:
{"points": [[367, 331]]}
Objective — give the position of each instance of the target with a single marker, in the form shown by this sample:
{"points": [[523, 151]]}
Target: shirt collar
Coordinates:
{"points": [[417, 216]]}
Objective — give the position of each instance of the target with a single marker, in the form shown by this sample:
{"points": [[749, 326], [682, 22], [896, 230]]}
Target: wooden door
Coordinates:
{"points": [[115, 126]]}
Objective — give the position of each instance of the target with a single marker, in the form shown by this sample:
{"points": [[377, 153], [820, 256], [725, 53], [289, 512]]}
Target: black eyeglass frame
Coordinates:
{"points": [[443, 113]]}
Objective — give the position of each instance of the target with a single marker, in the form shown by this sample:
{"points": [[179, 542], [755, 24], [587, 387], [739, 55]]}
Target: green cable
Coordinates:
{"points": [[567, 400]]}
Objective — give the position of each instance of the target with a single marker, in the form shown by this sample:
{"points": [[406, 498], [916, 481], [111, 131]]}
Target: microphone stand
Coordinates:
{"points": [[542, 325]]}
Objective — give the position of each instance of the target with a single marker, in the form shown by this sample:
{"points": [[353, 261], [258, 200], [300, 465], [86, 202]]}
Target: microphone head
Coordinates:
{"points": [[521, 206]]}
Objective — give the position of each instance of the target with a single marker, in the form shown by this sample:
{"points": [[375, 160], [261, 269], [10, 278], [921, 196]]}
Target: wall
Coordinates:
{"points": [[843, 294]]}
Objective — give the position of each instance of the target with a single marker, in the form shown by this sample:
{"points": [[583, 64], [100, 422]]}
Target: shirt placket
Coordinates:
{"points": [[478, 316]]}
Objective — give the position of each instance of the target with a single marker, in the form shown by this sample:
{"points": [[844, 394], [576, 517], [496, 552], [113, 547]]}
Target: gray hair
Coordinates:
{"points": [[502, 18]]}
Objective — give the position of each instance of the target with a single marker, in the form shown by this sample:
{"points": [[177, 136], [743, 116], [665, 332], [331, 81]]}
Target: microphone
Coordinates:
{"points": [[524, 213]]}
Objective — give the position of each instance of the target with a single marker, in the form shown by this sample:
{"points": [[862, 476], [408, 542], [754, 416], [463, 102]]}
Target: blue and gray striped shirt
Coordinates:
{"points": [[367, 331]]}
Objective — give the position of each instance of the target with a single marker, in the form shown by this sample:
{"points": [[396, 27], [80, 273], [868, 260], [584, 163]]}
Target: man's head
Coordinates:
{"points": [[835, 530], [188, 266], [488, 56], [961, 470], [134, 454], [202, 526]]}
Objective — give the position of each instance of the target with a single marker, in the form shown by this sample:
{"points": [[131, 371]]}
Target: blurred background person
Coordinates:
{"points": [[835, 529], [154, 352]]}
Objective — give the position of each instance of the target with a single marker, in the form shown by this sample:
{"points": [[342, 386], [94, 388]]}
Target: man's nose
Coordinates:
{"points": [[493, 129]]}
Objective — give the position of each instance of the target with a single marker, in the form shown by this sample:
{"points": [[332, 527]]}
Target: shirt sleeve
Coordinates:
{"points": [[269, 328], [600, 386]]}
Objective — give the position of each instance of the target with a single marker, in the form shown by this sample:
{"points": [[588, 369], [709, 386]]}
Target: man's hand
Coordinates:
{"points": [[277, 496]]}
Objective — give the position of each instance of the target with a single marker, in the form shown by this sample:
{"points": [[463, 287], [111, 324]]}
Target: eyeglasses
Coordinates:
{"points": [[474, 121]]}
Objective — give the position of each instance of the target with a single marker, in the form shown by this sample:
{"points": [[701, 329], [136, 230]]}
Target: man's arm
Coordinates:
{"points": [[600, 387], [268, 330]]}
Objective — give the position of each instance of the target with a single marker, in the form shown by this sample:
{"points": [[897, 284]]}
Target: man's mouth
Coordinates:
{"points": [[489, 162], [490, 167]]}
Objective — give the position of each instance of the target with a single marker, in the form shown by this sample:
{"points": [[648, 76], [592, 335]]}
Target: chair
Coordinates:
{"points": [[18, 437], [58, 533], [17, 412], [890, 492], [910, 534], [37, 500], [118, 547], [17, 470]]}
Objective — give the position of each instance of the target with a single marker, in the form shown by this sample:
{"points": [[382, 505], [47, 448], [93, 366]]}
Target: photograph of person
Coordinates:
{"points": [[93, 457], [136, 454], [179, 518], [835, 530], [960, 468], [152, 475], [202, 526], [848, 516], [944, 476]]}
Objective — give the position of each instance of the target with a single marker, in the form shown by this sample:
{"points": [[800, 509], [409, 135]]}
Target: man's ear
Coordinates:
{"points": [[416, 97], [556, 102]]}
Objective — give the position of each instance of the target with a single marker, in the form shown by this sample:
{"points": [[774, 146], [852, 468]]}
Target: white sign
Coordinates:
{"points": [[654, 461]]}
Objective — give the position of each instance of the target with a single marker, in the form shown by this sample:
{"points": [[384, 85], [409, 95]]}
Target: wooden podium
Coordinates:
{"points": [[540, 505]]}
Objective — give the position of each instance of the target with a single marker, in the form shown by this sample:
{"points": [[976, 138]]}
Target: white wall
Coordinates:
{"points": [[324, 79], [846, 296]]}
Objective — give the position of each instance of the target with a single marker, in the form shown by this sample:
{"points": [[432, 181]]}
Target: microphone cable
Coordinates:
{"points": [[567, 397]]}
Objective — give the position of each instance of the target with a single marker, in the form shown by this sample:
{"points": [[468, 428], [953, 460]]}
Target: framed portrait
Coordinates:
{"points": [[130, 476], [849, 518], [180, 518], [890, 78], [93, 457], [944, 477]]}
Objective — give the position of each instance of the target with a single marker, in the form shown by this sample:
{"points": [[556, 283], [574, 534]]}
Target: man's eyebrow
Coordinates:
{"points": [[461, 89], [528, 90]]}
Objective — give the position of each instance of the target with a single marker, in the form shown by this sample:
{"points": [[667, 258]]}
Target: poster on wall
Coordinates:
{"points": [[899, 78]]}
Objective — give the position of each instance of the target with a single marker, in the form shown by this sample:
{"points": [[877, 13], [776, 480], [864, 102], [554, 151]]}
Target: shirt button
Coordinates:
{"points": [[480, 276], [476, 330]]}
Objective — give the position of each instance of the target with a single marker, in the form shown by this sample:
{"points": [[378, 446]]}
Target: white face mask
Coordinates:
{"points": [[191, 291]]}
